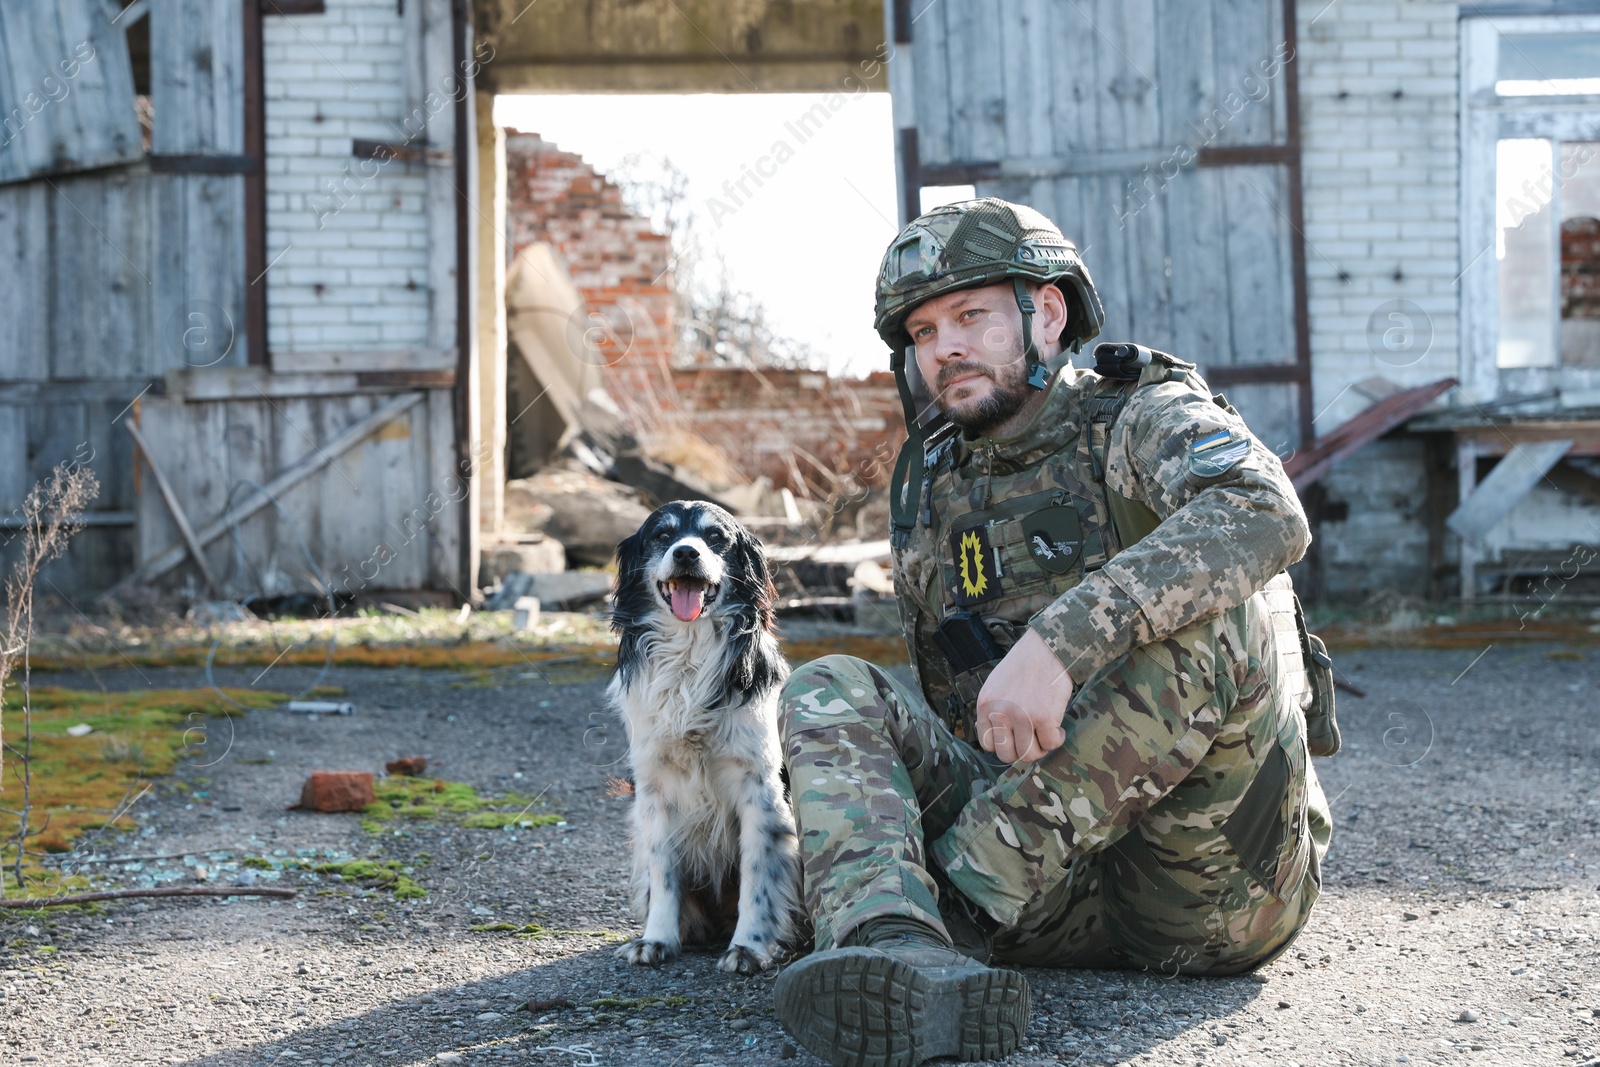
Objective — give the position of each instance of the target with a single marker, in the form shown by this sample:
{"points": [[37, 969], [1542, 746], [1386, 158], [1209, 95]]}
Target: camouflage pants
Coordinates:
{"points": [[1179, 828]]}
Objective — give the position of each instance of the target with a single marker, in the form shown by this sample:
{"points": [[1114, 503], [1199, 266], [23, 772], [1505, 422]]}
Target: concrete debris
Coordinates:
{"points": [[334, 791], [533, 553], [586, 513], [525, 613]]}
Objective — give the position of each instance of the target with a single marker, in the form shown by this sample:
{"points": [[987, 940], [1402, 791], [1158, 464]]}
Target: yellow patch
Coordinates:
{"points": [[974, 580]]}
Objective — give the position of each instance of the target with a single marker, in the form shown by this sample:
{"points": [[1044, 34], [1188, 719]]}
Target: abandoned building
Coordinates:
{"points": [[262, 275]]}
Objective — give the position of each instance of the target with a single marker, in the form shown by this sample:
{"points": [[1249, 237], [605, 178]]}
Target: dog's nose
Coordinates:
{"points": [[685, 554]]}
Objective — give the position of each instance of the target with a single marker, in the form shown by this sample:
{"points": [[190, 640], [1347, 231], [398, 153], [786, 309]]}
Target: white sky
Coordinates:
{"points": [[807, 242]]}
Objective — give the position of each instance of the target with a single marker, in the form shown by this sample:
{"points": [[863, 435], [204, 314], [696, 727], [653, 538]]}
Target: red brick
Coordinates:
{"points": [[330, 791]]}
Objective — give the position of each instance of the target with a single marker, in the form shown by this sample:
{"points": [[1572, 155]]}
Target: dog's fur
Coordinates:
{"points": [[700, 699]]}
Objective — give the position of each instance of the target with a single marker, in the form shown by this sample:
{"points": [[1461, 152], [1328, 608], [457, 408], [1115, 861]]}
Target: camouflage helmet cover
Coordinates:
{"points": [[975, 243]]}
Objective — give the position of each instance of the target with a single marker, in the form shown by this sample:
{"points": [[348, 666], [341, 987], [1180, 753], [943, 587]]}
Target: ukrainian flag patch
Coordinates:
{"points": [[1216, 454]]}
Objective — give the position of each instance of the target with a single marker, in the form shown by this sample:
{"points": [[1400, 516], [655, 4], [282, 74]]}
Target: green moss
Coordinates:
{"points": [[636, 1003], [378, 874], [257, 862], [436, 800], [136, 736]]}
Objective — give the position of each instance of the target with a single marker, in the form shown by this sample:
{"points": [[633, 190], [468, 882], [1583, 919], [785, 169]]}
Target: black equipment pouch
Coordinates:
{"points": [[966, 642], [1322, 725], [971, 651]]}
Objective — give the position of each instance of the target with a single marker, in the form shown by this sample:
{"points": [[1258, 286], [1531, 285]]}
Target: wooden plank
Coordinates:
{"points": [[197, 77], [444, 547], [121, 390], [226, 383], [400, 359], [14, 473], [1246, 32], [66, 90], [1074, 126], [173, 506], [198, 271], [930, 73], [318, 458], [1128, 86], [438, 58], [1494, 498], [1027, 92], [1147, 240], [977, 89], [1256, 258], [1202, 328], [25, 279], [1184, 50], [101, 233]]}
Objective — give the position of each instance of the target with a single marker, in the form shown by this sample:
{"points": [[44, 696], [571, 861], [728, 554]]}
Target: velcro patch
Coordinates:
{"points": [[1055, 538], [976, 578], [1218, 453]]}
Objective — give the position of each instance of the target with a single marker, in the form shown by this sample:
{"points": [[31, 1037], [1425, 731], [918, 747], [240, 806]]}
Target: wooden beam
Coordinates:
{"points": [[200, 163], [1510, 480], [255, 188], [179, 517], [1254, 373], [319, 458], [1466, 482]]}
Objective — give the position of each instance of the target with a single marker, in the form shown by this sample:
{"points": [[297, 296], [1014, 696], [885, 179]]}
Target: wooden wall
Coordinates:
{"points": [[381, 514], [117, 265], [1158, 135]]}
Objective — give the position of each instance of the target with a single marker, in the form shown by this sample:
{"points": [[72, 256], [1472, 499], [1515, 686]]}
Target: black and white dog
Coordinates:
{"points": [[697, 680]]}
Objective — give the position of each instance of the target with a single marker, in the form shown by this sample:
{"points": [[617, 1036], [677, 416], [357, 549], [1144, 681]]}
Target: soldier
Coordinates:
{"points": [[1105, 760]]}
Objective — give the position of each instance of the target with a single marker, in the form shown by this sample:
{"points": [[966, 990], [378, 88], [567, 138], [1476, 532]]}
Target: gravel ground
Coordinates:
{"points": [[1459, 922]]}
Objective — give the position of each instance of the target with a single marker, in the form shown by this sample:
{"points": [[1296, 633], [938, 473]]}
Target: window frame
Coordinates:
{"points": [[1486, 119]]}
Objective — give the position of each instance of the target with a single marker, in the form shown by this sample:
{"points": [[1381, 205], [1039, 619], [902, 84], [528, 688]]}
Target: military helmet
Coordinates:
{"points": [[975, 243]]}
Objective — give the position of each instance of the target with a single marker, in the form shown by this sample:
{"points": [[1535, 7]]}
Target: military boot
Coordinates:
{"points": [[897, 994]]}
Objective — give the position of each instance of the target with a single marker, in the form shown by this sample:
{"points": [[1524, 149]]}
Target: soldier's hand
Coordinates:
{"points": [[1021, 706]]}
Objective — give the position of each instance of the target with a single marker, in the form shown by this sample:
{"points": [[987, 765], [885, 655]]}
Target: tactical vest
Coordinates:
{"points": [[996, 541]]}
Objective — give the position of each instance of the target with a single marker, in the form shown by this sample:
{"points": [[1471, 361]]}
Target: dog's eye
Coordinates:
{"points": [[664, 535], [715, 537]]}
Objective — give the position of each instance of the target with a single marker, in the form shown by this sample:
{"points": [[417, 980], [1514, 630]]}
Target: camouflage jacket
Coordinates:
{"points": [[1018, 530]]}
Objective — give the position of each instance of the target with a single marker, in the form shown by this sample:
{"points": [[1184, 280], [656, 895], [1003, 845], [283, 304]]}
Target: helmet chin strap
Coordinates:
{"points": [[1038, 377], [907, 476]]}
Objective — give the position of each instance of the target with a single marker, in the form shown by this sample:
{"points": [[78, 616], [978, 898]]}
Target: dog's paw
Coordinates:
{"points": [[741, 959], [647, 953]]}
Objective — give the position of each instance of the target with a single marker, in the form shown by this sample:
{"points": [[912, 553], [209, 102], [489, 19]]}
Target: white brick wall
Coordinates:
{"points": [[1380, 199], [1381, 193], [347, 238]]}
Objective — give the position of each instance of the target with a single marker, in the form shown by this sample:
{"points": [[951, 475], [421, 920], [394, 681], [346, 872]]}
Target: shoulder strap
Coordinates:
{"points": [[1132, 519]]}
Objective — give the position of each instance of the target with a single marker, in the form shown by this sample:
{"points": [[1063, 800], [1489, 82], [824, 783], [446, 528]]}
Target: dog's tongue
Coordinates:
{"points": [[687, 598]]}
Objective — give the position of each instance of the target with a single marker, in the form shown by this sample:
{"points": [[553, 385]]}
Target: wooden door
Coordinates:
{"points": [[1163, 137]]}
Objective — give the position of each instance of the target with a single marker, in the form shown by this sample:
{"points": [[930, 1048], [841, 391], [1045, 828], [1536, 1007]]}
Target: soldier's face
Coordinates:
{"points": [[969, 350]]}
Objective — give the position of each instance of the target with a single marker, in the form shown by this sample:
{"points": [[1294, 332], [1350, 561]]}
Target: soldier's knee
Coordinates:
{"points": [[825, 691]]}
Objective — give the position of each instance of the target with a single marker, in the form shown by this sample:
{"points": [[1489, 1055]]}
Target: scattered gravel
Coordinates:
{"points": [[1459, 921]]}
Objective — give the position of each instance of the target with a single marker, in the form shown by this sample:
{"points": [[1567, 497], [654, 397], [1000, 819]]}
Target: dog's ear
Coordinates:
{"points": [[757, 578], [630, 564], [750, 658]]}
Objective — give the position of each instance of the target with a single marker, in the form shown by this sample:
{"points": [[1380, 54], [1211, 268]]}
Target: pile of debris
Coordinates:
{"points": [[580, 480]]}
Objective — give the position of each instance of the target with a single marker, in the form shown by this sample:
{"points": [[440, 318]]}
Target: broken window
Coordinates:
{"points": [[67, 101], [1525, 245]]}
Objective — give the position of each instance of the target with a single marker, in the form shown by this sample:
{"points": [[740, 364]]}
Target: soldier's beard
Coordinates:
{"points": [[1007, 397]]}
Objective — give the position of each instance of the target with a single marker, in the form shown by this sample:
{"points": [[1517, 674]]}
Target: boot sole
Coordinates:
{"points": [[857, 1008]]}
